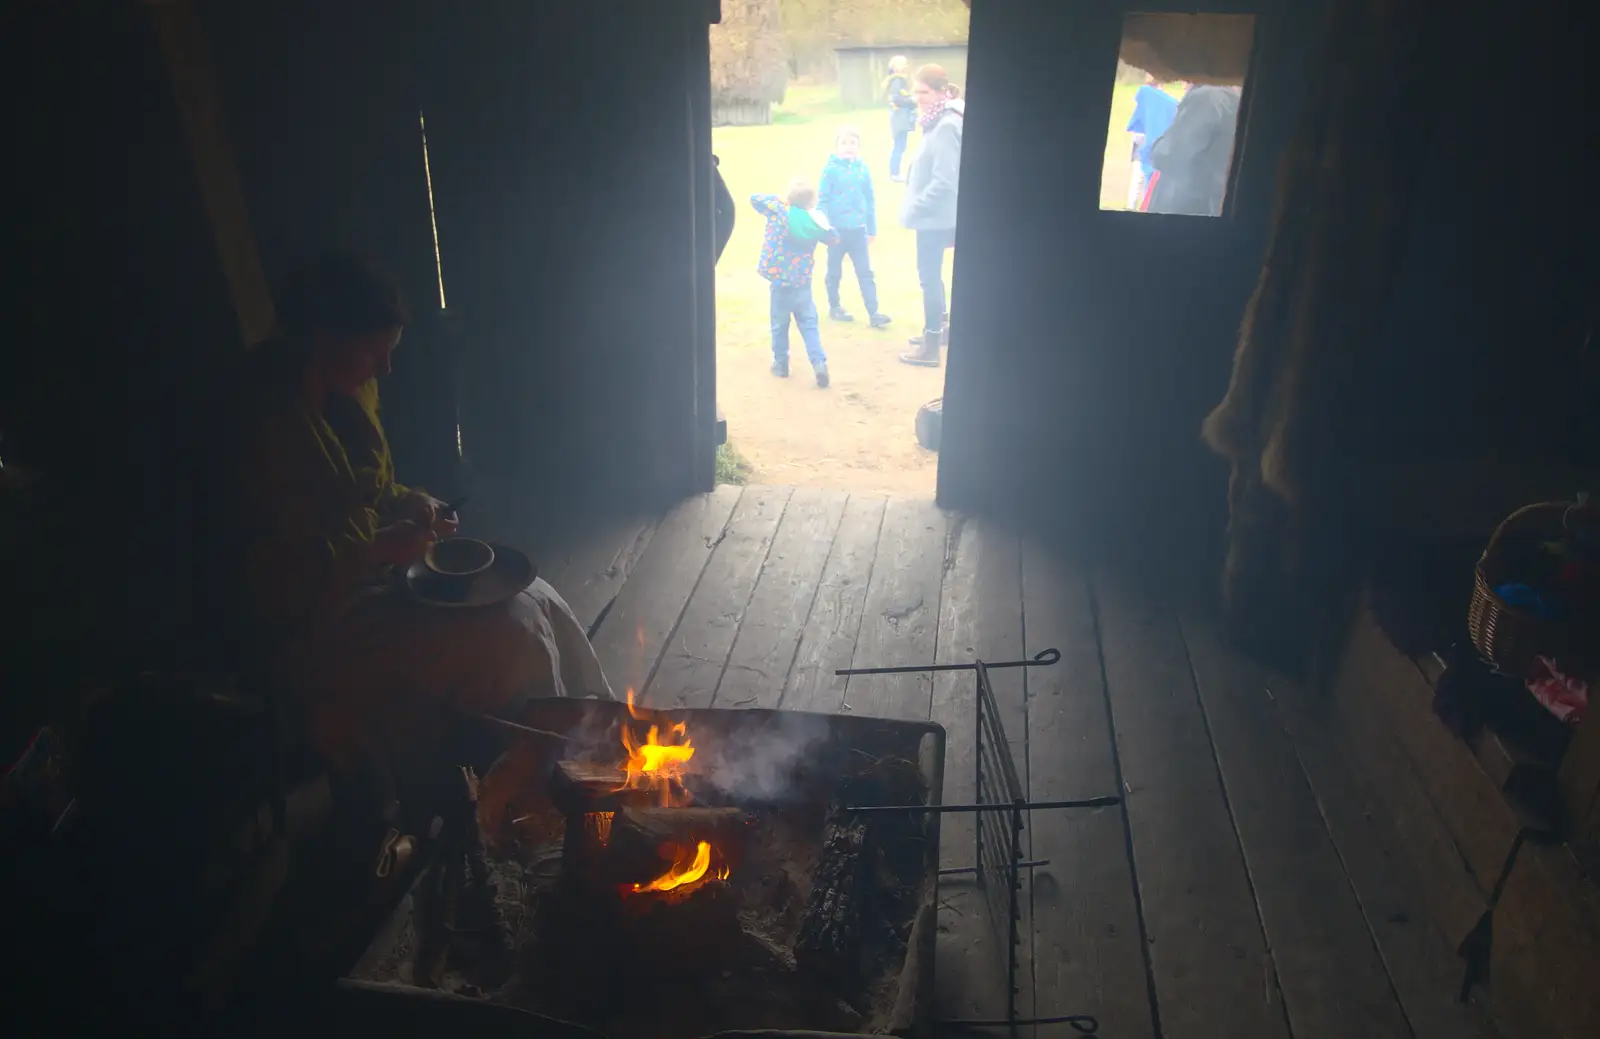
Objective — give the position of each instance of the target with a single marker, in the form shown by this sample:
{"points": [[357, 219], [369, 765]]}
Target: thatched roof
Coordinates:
{"points": [[1200, 48]]}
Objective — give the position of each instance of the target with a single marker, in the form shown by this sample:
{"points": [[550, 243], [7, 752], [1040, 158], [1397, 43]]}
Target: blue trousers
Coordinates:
{"points": [[794, 301], [931, 246], [898, 152], [852, 243]]}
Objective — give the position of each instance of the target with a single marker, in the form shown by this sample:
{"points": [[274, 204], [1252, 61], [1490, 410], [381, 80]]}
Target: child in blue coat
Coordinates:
{"points": [[845, 197], [788, 247]]}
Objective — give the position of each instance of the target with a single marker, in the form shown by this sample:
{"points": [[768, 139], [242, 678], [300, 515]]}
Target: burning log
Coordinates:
{"points": [[578, 787], [828, 941], [644, 841]]}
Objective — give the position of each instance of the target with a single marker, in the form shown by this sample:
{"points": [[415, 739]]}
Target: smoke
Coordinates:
{"points": [[759, 762]]}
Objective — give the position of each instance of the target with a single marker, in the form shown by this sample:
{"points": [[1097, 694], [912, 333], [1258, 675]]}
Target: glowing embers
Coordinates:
{"points": [[686, 870], [598, 826]]}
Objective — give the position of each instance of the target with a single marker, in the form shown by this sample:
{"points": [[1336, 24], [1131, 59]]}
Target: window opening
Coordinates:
{"points": [[1174, 118]]}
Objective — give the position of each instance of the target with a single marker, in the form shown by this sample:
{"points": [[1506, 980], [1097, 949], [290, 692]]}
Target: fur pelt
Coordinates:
{"points": [[1323, 289], [1312, 322]]}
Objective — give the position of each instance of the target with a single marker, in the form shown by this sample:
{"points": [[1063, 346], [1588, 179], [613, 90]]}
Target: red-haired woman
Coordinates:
{"points": [[929, 208]]}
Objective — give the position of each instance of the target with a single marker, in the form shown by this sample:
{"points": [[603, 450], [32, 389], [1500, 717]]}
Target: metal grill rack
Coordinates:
{"points": [[1001, 806]]}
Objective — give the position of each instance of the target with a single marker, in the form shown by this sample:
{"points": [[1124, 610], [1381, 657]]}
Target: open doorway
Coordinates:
{"points": [[811, 102]]}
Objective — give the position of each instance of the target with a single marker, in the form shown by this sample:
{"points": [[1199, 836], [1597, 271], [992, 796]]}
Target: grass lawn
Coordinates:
{"points": [[858, 435]]}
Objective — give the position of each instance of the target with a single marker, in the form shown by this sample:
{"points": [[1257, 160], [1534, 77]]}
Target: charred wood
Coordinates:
{"points": [[644, 841], [828, 940]]}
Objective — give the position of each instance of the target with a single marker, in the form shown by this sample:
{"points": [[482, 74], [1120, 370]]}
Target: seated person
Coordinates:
{"points": [[321, 518]]}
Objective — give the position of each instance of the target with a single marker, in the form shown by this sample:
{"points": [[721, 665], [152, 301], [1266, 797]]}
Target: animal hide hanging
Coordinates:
{"points": [[1284, 424]]}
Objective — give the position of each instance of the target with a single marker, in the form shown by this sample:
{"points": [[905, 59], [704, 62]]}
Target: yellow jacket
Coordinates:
{"points": [[317, 483]]}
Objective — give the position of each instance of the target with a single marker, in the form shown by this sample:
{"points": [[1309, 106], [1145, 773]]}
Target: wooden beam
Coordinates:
{"points": [[183, 44]]}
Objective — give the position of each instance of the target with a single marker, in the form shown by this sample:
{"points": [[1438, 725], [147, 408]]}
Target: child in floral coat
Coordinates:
{"points": [[788, 248]]}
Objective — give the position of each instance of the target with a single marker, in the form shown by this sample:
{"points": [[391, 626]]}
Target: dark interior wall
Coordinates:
{"points": [[116, 312], [321, 105], [573, 213], [1483, 347], [570, 150], [1098, 340]]}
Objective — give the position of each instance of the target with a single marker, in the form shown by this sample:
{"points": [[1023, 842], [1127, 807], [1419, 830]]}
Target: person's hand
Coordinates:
{"points": [[427, 511], [402, 543]]}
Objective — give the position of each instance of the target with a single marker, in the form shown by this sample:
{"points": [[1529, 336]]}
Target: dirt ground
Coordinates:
{"points": [[856, 436], [859, 435]]}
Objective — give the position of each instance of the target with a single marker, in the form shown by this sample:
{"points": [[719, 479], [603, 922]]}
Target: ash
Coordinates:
{"points": [[718, 955]]}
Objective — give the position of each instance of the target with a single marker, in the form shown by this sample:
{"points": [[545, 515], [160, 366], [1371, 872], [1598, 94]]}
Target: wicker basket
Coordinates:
{"points": [[1508, 637]]}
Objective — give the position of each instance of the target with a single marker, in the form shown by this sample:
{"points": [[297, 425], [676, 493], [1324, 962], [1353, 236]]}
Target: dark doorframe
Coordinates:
{"points": [[570, 150], [704, 439]]}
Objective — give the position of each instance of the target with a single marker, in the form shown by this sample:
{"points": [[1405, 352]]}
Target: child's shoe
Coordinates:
{"points": [[840, 314], [822, 375], [780, 369], [878, 320]]}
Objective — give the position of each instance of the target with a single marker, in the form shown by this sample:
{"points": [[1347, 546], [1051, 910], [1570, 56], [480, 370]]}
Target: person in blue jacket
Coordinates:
{"points": [[845, 197], [1153, 112]]}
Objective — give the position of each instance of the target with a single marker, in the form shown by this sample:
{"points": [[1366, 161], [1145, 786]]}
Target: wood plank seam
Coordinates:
{"points": [[816, 592], [1319, 932], [894, 613], [1127, 824], [685, 540], [1227, 804], [673, 634], [744, 608], [621, 566], [819, 651], [1339, 854], [1024, 901], [1088, 948]]}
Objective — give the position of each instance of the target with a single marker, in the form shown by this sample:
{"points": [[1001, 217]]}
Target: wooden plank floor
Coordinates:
{"points": [[1240, 890]]}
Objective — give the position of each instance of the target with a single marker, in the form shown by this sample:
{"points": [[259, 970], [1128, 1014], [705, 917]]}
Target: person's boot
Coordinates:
{"points": [[878, 320], [840, 314], [780, 368], [926, 354], [821, 371], [917, 340]]}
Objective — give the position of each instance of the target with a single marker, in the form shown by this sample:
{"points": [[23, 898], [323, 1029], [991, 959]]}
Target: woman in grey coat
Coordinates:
{"points": [[930, 201]]}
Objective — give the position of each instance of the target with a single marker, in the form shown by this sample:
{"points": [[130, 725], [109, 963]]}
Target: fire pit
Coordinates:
{"points": [[681, 873]]}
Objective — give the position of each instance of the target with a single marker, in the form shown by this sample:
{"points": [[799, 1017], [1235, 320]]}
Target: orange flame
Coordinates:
{"points": [[685, 870], [660, 767], [653, 765]]}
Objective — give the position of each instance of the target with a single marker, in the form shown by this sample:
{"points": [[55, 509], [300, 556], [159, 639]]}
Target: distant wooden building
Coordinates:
{"points": [[862, 68]]}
